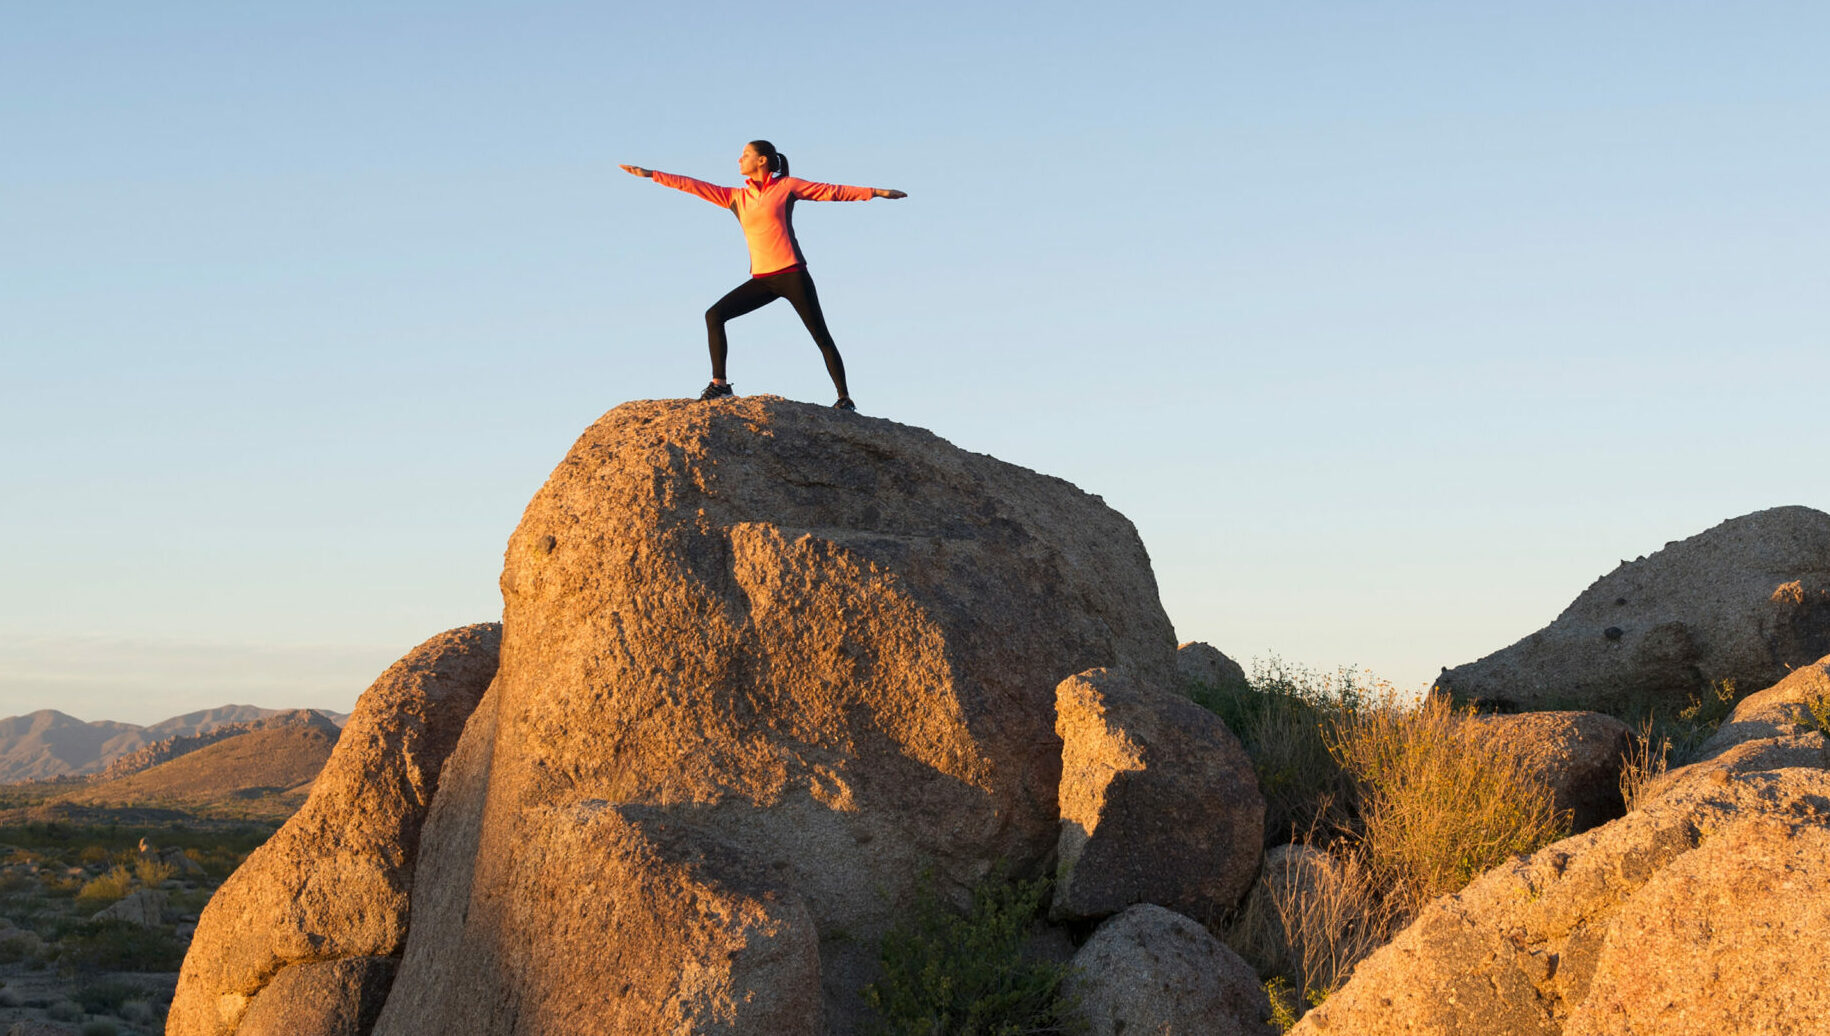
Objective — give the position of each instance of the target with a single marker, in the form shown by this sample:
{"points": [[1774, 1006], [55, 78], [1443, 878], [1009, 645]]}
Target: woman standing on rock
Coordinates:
{"points": [[764, 205]]}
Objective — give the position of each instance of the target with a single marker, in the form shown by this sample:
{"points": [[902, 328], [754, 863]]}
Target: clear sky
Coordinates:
{"points": [[1390, 325]]}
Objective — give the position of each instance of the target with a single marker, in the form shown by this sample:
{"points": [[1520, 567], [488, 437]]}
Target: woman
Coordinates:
{"points": [[764, 205]]}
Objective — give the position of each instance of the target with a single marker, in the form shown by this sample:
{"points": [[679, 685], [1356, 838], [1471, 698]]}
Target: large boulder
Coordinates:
{"points": [[1151, 970], [1159, 803], [1704, 912], [1744, 601], [1578, 755], [333, 883], [326, 998], [763, 665], [1791, 706]]}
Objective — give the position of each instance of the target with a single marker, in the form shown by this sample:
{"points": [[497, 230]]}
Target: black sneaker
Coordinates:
{"points": [[714, 390], [845, 403]]}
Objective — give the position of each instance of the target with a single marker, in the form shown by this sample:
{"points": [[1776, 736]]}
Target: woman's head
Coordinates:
{"points": [[760, 158]]}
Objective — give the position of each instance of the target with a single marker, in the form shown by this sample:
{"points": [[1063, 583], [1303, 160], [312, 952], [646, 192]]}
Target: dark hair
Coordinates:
{"points": [[778, 162]]}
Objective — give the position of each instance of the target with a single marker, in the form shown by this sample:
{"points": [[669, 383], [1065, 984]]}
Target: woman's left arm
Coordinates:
{"points": [[812, 191]]}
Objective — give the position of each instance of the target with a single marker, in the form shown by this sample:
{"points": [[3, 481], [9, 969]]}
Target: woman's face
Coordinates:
{"points": [[752, 164]]}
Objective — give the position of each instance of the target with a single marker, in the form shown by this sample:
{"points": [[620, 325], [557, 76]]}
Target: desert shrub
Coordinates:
{"points": [[139, 1012], [152, 872], [1308, 926], [107, 888], [1284, 1014], [105, 996], [1646, 759], [65, 1011], [16, 947], [100, 1027], [944, 972], [1436, 804], [1279, 716], [93, 855], [110, 945]]}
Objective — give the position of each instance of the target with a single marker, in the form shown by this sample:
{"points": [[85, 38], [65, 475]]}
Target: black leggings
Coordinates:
{"points": [[757, 292]]}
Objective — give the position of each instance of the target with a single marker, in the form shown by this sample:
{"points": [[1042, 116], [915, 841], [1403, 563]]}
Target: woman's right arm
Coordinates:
{"points": [[719, 196]]}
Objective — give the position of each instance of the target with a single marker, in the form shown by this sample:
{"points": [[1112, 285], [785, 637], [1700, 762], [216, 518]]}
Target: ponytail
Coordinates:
{"points": [[778, 162]]}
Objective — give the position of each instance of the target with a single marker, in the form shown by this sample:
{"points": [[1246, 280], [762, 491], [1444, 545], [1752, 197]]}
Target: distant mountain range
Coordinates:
{"points": [[48, 743]]}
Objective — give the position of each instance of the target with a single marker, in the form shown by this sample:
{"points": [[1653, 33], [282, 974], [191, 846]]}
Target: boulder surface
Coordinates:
{"points": [[1203, 663], [1744, 601], [1151, 970], [763, 664], [1159, 803], [333, 882], [1705, 912]]}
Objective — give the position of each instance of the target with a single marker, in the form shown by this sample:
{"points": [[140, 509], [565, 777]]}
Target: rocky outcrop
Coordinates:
{"points": [[1159, 803], [1151, 970], [333, 882], [1782, 710], [1203, 664], [1578, 755], [1744, 601], [1701, 913], [763, 663]]}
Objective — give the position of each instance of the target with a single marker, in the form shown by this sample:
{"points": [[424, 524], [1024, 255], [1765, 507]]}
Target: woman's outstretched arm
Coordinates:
{"points": [[719, 196], [813, 191]]}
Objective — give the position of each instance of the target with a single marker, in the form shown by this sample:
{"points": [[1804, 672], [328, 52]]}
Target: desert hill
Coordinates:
{"points": [[276, 765], [47, 744]]}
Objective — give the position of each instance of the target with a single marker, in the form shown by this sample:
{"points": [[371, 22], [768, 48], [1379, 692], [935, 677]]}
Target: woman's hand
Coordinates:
{"points": [[877, 192], [636, 170]]}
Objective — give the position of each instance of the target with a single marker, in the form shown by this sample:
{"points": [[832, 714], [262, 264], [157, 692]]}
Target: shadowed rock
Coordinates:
{"points": [[1744, 601], [1159, 803], [333, 882], [762, 663], [1151, 970], [322, 998], [1204, 664]]}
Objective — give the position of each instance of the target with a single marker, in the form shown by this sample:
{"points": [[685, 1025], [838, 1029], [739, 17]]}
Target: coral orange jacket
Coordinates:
{"points": [[766, 211]]}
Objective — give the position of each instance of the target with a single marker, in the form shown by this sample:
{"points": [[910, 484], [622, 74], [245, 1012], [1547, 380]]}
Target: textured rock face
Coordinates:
{"points": [[1151, 970], [145, 907], [1204, 664], [323, 998], [1578, 754], [1159, 803], [1742, 601], [1783, 709], [1708, 911], [333, 882], [762, 662]]}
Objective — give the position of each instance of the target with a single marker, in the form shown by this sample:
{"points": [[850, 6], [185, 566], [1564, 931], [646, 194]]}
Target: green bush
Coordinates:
{"points": [[967, 975], [106, 889], [105, 996], [1280, 716], [121, 946]]}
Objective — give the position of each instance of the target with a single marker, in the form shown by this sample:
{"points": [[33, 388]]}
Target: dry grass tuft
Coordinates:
{"points": [[1313, 915], [1646, 761], [1437, 806]]}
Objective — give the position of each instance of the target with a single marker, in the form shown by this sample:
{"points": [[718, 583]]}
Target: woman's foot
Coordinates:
{"points": [[716, 389], [845, 403]]}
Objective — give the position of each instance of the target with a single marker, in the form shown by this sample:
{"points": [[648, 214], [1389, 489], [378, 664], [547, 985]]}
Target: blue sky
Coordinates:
{"points": [[1390, 325]]}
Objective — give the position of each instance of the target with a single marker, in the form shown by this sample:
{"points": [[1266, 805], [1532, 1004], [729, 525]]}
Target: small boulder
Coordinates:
{"points": [[1577, 754], [145, 907], [1742, 601], [1151, 970], [1204, 664], [321, 998], [1159, 803], [182, 863]]}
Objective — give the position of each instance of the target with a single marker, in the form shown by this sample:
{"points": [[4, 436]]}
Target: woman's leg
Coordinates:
{"points": [[797, 287], [747, 297]]}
